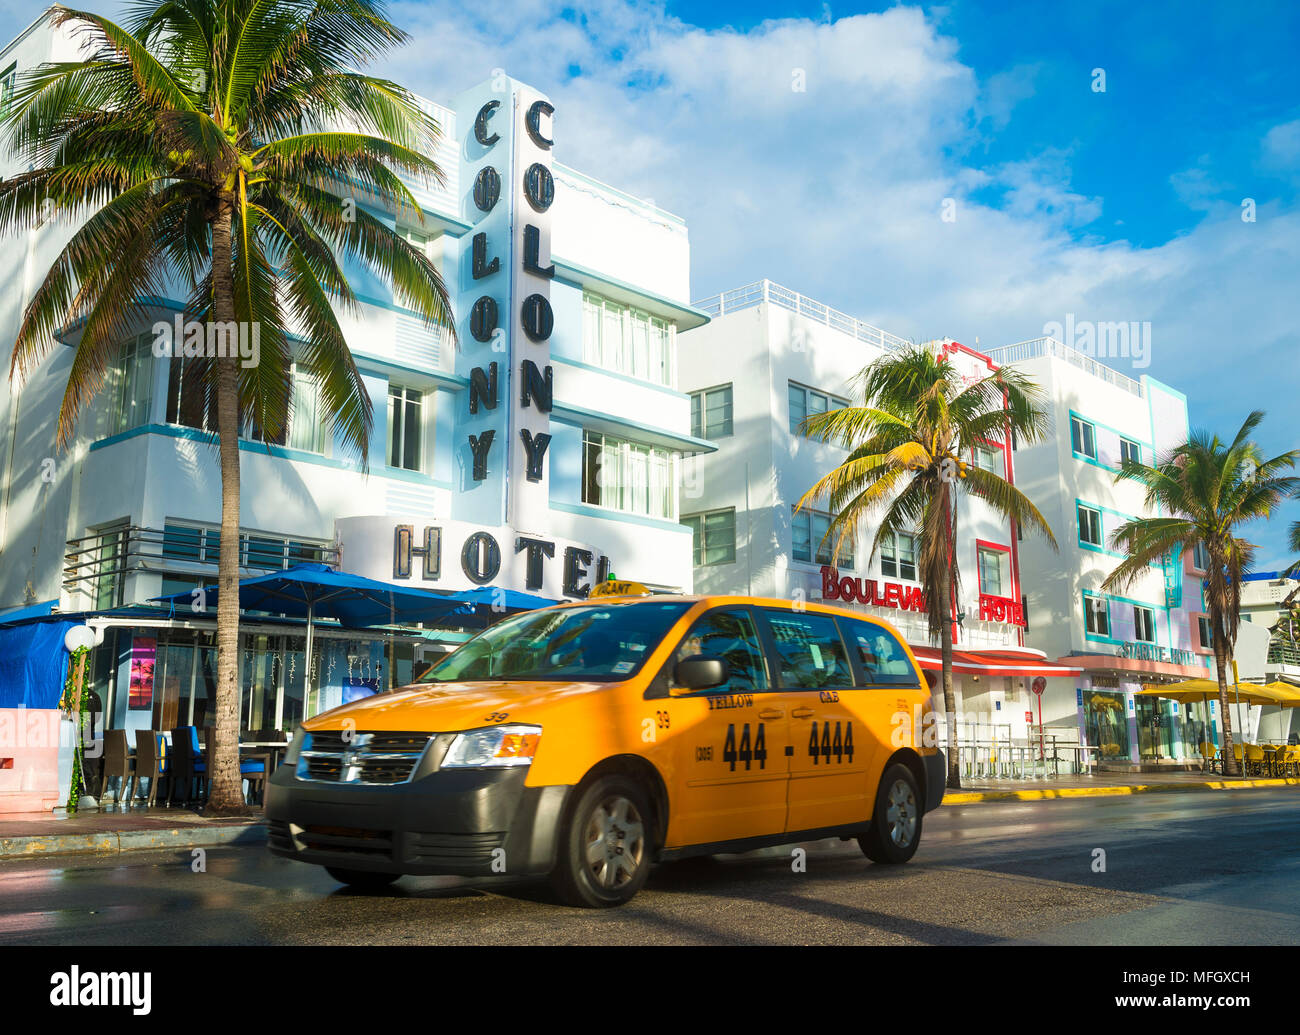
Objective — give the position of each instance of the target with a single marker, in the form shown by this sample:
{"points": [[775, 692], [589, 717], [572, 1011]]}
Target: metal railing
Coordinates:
{"points": [[1035, 348], [766, 291], [98, 563]]}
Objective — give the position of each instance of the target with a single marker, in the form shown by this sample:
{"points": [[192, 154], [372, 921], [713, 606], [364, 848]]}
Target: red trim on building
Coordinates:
{"points": [[994, 663]]}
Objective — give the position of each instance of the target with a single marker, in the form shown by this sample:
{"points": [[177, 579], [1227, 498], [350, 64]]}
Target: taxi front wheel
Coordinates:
{"points": [[896, 823], [604, 851]]}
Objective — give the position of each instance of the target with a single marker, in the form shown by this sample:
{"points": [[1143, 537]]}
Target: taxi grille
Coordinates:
{"points": [[385, 757]]}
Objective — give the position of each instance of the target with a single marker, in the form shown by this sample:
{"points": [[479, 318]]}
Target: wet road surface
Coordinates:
{"points": [[1187, 868]]}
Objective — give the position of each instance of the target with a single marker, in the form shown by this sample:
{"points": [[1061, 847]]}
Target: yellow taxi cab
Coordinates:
{"points": [[585, 741]]}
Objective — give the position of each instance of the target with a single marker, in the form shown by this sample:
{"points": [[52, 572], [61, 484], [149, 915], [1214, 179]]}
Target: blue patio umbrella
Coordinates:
{"points": [[314, 591], [493, 597]]}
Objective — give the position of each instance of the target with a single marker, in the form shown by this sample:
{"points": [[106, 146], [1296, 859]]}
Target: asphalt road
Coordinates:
{"points": [[1180, 869]]}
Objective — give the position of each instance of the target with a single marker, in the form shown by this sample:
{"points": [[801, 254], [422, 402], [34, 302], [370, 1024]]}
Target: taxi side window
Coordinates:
{"points": [[733, 636], [810, 653], [882, 657]]}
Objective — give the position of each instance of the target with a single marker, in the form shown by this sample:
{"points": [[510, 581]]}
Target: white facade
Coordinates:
{"points": [[135, 463], [539, 454], [1148, 632], [779, 354]]}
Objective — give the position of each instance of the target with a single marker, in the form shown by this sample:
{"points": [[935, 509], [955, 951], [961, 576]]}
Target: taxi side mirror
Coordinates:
{"points": [[700, 672]]}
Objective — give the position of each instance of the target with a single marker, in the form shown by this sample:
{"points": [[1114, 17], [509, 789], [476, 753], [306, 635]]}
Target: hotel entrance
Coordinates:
{"points": [[1155, 726]]}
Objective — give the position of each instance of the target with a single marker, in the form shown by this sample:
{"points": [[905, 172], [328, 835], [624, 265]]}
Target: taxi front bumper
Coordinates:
{"points": [[470, 822]]}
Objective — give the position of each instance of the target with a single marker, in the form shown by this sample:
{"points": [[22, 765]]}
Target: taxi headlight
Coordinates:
{"points": [[496, 746]]}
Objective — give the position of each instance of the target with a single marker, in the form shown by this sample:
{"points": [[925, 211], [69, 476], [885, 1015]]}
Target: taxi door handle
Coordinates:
{"points": [[803, 713], [770, 714]]}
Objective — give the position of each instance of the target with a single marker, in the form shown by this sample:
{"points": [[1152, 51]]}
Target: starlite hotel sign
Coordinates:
{"points": [[497, 535]]}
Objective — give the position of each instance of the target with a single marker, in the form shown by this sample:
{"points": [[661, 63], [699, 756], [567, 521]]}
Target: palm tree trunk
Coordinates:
{"points": [[945, 647], [1221, 665], [949, 698], [226, 792]]}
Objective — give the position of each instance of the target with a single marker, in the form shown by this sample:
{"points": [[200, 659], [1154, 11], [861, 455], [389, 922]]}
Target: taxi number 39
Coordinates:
{"points": [[839, 745], [745, 752]]}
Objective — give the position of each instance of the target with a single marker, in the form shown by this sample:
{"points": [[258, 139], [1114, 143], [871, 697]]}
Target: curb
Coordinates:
{"points": [[976, 797], [112, 843]]}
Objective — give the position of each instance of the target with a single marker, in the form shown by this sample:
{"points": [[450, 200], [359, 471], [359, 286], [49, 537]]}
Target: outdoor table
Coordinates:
{"points": [[268, 750]]}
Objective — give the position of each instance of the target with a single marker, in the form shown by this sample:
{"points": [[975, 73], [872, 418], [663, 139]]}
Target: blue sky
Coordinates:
{"points": [[1123, 205]]}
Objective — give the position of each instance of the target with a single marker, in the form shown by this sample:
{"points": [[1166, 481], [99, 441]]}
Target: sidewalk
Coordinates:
{"points": [[107, 832], [1104, 785], [38, 835]]}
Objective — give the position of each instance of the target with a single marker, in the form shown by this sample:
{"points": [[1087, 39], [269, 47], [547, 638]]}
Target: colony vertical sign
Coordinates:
{"points": [[509, 263], [498, 532]]}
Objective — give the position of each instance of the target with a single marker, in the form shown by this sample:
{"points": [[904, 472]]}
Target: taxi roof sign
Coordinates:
{"points": [[615, 588]]}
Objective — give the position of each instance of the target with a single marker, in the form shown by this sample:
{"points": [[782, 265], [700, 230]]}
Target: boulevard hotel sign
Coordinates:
{"points": [[501, 496], [903, 597]]}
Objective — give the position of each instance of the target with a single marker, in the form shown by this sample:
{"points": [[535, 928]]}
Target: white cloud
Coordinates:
{"points": [[837, 191]]}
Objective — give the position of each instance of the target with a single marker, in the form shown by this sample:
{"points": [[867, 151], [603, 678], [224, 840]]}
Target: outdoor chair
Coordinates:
{"points": [[151, 760], [119, 761], [1254, 759], [1209, 757], [253, 771], [188, 765]]}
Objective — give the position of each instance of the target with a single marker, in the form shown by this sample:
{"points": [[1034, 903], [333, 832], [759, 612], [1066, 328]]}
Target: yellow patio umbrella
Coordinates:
{"points": [[1286, 696]]}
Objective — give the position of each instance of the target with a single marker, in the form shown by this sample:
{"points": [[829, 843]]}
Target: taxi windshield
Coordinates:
{"points": [[594, 643]]}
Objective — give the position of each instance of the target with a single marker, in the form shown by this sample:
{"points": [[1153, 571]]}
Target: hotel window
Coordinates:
{"points": [[990, 570], [184, 543], [713, 536], [405, 407], [898, 556], [1130, 450], [1207, 633], [307, 430], [711, 413], [187, 397], [112, 557], [1144, 624], [1083, 438], [8, 80], [1200, 557], [131, 385], [986, 458], [809, 531], [1096, 612], [804, 402], [628, 476], [1089, 525], [623, 339]]}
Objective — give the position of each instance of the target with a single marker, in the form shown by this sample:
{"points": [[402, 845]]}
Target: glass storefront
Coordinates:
{"points": [[1155, 725], [163, 678], [1107, 724]]}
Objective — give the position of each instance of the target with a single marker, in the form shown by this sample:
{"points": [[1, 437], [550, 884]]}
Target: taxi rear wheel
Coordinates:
{"points": [[363, 880], [896, 823], [604, 852]]}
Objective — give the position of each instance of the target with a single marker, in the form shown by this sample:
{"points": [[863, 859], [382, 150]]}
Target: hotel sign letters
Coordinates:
{"points": [[1001, 609], [480, 556], [536, 317], [869, 591]]}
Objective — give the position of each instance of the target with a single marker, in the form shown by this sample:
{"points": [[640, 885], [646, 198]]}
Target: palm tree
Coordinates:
{"points": [[917, 420], [192, 146], [1204, 490]]}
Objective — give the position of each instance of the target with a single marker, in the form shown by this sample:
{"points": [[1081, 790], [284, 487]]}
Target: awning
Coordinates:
{"points": [[33, 664], [1002, 662]]}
